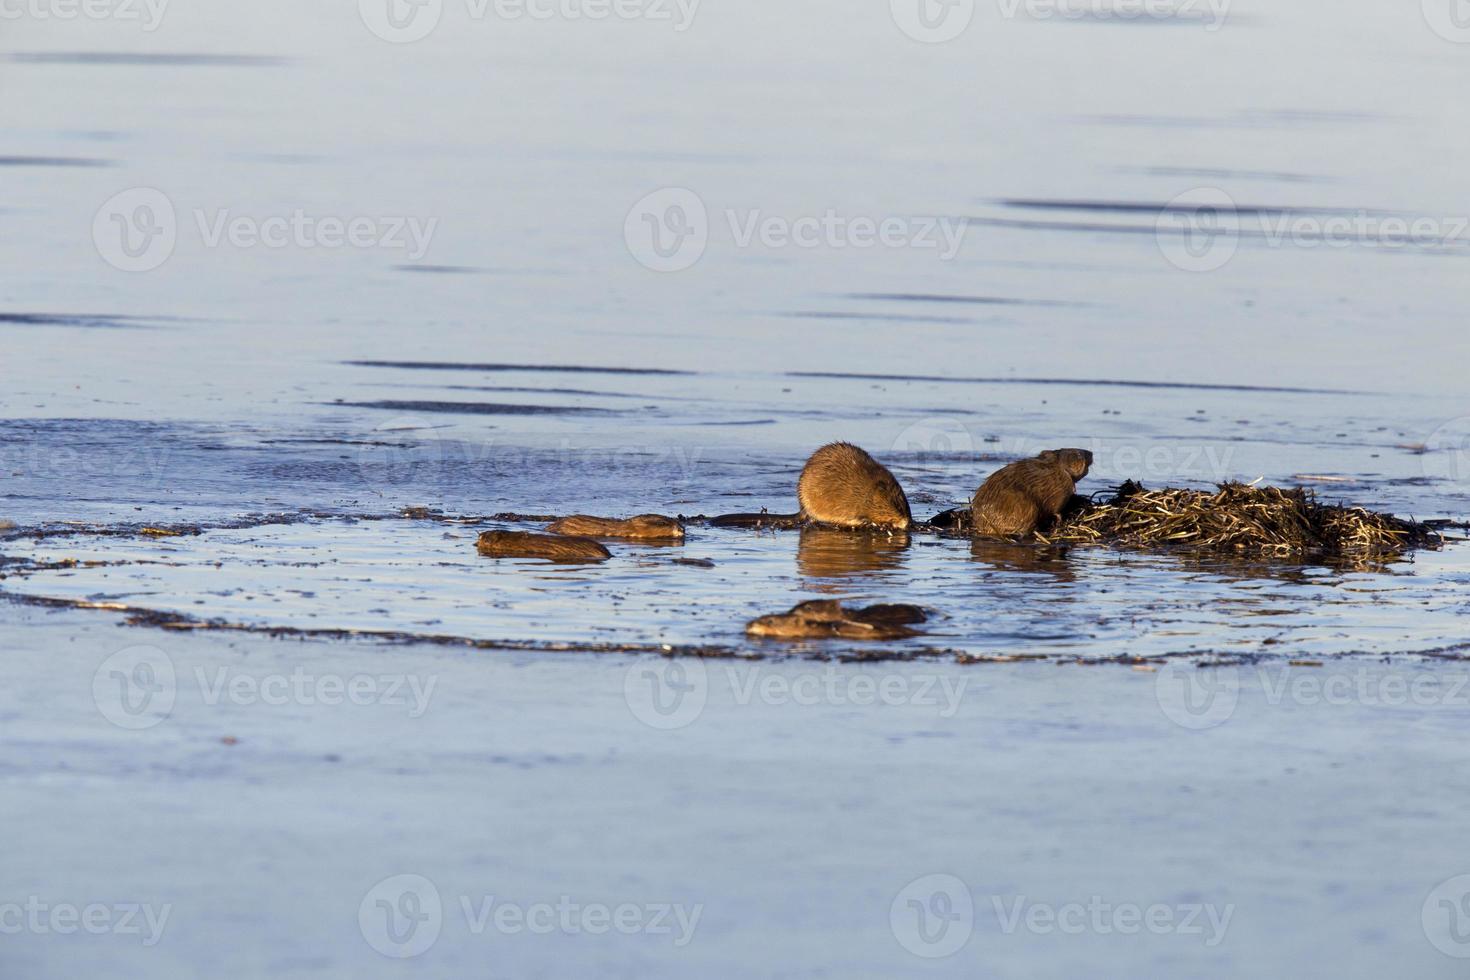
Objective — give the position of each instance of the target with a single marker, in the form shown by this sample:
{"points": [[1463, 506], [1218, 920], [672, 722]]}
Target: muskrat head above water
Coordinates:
{"points": [[1018, 499], [841, 484]]}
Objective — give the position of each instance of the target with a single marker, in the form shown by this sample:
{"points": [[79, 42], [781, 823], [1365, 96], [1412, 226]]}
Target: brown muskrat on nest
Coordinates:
{"points": [[1265, 521], [822, 619], [552, 547], [644, 527], [843, 486], [1028, 494]]}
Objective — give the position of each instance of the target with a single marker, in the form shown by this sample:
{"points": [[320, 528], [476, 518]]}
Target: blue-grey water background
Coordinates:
{"points": [[1307, 339]]}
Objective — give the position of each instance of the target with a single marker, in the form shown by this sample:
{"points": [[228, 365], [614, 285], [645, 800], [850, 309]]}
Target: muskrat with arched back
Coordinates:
{"points": [[840, 485], [552, 547], [644, 527], [1028, 494]]}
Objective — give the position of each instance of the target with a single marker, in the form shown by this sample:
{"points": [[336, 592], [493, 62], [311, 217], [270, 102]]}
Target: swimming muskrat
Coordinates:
{"points": [[644, 527], [1019, 498], [553, 547], [840, 485], [822, 619]]}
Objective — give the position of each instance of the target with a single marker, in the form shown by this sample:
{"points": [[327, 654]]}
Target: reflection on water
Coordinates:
{"points": [[827, 553], [1013, 557]]}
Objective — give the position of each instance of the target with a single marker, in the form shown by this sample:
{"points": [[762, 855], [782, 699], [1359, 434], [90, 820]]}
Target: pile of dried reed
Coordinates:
{"points": [[1262, 521]]}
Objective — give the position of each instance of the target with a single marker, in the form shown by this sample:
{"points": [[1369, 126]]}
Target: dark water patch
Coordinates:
{"points": [[545, 391], [1079, 382], [443, 270], [1222, 173], [134, 58], [99, 321], [740, 422], [1152, 207], [547, 368], [884, 317], [474, 408], [1257, 119], [20, 161], [957, 300]]}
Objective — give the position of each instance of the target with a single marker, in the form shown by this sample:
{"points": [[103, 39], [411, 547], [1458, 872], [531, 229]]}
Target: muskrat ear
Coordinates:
{"points": [[1047, 455]]}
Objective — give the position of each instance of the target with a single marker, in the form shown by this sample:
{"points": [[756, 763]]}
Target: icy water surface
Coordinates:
{"points": [[323, 288]]}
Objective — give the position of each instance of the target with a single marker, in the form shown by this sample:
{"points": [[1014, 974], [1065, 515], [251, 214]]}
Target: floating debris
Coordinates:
{"points": [[1269, 521]]}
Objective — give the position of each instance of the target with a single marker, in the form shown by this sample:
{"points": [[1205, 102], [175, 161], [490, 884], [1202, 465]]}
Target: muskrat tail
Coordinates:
{"points": [[785, 521]]}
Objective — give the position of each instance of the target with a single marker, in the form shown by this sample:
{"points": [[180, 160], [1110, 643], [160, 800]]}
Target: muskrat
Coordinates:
{"points": [[553, 547], [840, 485], [1019, 498], [644, 527], [827, 618]]}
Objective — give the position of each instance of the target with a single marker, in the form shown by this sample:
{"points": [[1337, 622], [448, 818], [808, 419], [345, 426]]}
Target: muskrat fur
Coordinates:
{"points": [[553, 547], [644, 527], [827, 618], [841, 485], [1018, 499]]}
